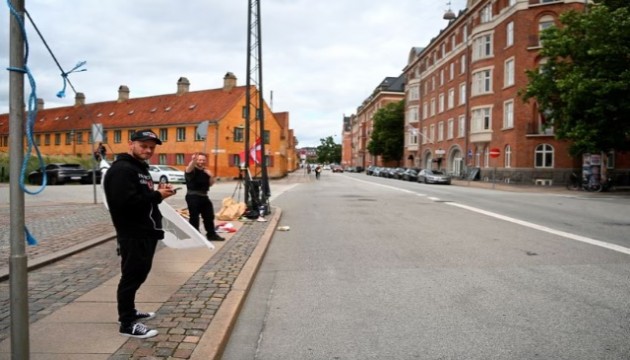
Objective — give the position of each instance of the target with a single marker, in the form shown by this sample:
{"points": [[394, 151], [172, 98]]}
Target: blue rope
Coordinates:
{"points": [[64, 75], [30, 123]]}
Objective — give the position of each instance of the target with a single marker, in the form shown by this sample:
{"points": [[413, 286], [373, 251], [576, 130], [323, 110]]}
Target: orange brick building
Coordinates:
{"points": [[175, 118]]}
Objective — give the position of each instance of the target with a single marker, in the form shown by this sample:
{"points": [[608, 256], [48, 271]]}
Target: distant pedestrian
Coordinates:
{"points": [[101, 152], [198, 182], [318, 171], [133, 206]]}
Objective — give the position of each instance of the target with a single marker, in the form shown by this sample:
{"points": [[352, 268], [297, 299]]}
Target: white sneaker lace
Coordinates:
{"points": [[139, 329]]}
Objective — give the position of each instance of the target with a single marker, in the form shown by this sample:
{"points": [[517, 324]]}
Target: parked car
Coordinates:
{"points": [[58, 174], [359, 169], [166, 174], [337, 168], [397, 173], [369, 170], [433, 177], [410, 174], [89, 178]]}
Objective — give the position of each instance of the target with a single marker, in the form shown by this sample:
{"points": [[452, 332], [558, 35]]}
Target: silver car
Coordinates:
{"points": [[433, 177]]}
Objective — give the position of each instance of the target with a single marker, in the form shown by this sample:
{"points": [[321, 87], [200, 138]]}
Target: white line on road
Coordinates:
{"points": [[584, 239], [567, 235], [433, 198]]}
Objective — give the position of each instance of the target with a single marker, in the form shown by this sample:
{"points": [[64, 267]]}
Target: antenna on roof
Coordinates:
{"points": [[449, 14]]}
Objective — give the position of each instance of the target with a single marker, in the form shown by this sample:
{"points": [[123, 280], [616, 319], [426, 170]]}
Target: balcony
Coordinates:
{"points": [[481, 137]]}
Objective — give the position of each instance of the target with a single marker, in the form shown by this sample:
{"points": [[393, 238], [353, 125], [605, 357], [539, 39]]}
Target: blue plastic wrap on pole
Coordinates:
{"points": [[30, 239]]}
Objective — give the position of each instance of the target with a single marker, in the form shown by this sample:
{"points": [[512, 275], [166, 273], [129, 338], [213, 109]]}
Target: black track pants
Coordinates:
{"points": [[136, 261]]}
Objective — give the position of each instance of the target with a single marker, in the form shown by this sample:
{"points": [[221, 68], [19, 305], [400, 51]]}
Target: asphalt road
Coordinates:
{"points": [[381, 269]]}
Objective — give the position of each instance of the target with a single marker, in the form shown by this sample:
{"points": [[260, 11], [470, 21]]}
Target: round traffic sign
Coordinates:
{"points": [[495, 152]]}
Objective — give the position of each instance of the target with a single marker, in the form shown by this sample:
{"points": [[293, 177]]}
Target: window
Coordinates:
{"points": [[105, 137], [508, 114], [481, 120], [545, 22], [235, 160], [486, 157], [462, 64], [179, 159], [610, 159], [450, 129], [508, 156], [440, 133], [47, 139], [511, 2], [443, 49], [57, 139], [461, 126], [424, 134], [509, 34], [509, 73], [462, 93], [130, 134], [432, 107], [80, 138], [441, 103], [451, 72], [38, 139], [89, 137], [482, 82], [162, 159], [414, 93], [432, 133], [266, 137], [164, 135], [425, 106], [451, 98], [441, 77], [69, 136], [238, 134], [117, 136], [482, 47], [544, 156], [180, 134], [486, 14], [412, 114], [198, 137]]}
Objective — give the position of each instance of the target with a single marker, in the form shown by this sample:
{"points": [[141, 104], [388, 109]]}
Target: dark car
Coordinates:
{"points": [[397, 173], [411, 174], [433, 177], [369, 170], [58, 174], [359, 169]]}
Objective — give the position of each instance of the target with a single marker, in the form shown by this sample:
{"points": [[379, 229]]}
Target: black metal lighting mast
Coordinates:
{"points": [[254, 76]]}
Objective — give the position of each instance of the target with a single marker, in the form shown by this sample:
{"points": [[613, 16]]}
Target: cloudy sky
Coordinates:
{"points": [[321, 59]]}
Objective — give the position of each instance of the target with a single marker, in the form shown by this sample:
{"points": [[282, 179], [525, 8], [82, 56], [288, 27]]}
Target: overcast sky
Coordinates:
{"points": [[321, 58]]}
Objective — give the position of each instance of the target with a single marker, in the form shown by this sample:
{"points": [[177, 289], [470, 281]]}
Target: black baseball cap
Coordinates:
{"points": [[144, 135]]}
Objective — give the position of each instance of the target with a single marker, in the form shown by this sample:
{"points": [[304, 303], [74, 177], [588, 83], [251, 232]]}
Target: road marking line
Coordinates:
{"points": [[433, 198], [583, 239]]}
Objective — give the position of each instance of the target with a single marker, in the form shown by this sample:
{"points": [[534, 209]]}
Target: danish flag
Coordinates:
{"points": [[255, 152]]}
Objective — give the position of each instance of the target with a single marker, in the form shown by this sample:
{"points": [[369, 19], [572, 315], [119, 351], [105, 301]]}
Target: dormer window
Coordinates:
{"points": [[111, 113], [192, 107], [153, 110], [167, 109], [130, 112]]}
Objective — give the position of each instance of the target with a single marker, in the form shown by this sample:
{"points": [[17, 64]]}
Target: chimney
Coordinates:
{"points": [[79, 99], [183, 85], [123, 93], [229, 82], [40, 104]]}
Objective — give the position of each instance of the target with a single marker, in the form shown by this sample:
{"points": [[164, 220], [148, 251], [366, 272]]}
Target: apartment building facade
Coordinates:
{"points": [[462, 101]]}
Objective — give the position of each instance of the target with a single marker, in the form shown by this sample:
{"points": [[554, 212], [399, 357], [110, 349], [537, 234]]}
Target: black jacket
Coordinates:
{"points": [[133, 204]]}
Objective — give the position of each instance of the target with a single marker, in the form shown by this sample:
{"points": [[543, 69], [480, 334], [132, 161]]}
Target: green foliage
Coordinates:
{"points": [[328, 152], [584, 87], [33, 163], [387, 139]]}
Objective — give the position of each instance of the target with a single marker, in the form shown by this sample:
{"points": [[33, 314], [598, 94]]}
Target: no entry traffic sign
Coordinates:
{"points": [[495, 152]]}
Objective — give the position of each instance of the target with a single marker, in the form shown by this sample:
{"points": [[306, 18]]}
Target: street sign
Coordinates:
{"points": [[495, 152]]}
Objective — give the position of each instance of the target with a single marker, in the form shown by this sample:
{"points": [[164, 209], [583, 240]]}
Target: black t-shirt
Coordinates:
{"points": [[197, 180]]}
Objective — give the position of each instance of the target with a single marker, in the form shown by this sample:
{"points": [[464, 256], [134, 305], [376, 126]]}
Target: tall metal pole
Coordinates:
{"points": [[261, 110], [248, 100], [17, 262]]}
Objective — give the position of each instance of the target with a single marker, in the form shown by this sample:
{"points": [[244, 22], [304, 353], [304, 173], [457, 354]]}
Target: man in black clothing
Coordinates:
{"points": [[198, 182], [133, 206]]}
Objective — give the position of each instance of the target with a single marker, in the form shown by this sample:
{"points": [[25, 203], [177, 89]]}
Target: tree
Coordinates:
{"points": [[387, 139], [328, 152], [583, 88]]}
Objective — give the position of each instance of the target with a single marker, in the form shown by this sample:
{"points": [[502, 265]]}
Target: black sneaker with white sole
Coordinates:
{"points": [[137, 330], [140, 316]]}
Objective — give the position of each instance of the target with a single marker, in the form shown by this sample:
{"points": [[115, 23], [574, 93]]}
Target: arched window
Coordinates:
{"points": [[545, 22], [544, 156], [508, 156]]}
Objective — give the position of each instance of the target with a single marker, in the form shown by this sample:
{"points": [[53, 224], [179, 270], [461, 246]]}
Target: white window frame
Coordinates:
{"points": [[432, 107], [482, 82], [440, 131], [544, 156], [414, 93], [509, 34], [482, 47], [432, 132], [452, 71], [507, 159], [425, 112], [450, 128], [508, 73], [441, 103], [462, 64], [413, 114], [485, 15], [461, 126], [508, 114], [481, 120], [451, 99], [462, 93], [424, 132]]}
